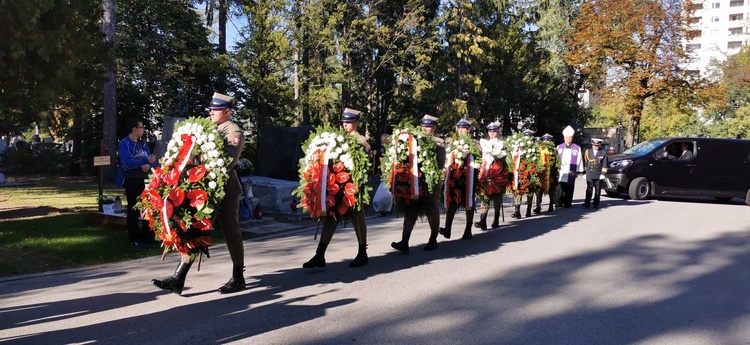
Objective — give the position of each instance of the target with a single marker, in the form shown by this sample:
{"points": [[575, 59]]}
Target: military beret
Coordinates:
{"points": [[220, 101]]}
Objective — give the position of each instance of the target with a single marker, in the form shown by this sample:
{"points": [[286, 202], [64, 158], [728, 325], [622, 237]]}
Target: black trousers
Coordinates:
{"points": [[567, 193], [593, 187], [133, 189]]}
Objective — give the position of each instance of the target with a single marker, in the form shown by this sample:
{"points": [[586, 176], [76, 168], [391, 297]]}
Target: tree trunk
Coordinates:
{"points": [[223, 10], [109, 120], [634, 125]]}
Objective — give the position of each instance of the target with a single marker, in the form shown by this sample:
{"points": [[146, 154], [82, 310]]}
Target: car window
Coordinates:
{"points": [[644, 147]]}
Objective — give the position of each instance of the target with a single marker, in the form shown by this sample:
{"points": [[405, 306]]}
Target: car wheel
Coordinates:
{"points": [[747, 198], [639, 189], [612, 194]]}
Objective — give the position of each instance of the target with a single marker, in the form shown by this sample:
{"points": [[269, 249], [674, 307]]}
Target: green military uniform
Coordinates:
{"points": [[358, 221], [228, 216], [429, 204]]}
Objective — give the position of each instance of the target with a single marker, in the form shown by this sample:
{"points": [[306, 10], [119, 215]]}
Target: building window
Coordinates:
{"points": [[734, 44], [736, 3], [735, 31], [715, 5], [715, 19], [693, 46], [735, 17]]}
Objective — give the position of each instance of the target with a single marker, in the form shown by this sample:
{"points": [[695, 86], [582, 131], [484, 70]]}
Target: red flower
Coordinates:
{"points": [[197, 198], [154, 199], [177, 195], [180, 223], [342, 208], [330, 201], [350, 189], [170, 209], [332, 178], [339, 166], [342, 177], [349, 200], [203, 224], [204, 241], [172, 177], [197, 173], [333, 188], [155, 179]]}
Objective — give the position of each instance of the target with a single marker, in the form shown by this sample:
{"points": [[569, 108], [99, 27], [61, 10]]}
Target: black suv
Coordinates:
{"points": [[718, 168]]}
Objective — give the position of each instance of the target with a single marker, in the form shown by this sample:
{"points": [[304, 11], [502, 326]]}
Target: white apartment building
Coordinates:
{"points": [[717, 29]]}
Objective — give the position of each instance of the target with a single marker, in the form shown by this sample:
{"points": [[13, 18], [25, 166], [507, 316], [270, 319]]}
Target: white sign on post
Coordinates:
{"points": [[101, 161]]}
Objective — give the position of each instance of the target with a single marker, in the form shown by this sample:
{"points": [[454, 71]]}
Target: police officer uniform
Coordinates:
{"points": [[227, 218], [358, 221], [595, 162]]}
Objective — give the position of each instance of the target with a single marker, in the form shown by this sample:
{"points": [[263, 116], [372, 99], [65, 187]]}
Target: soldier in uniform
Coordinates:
{"points": [[493, 132], [462, 128], [549, 176], [220, 111], [429, 127], [350, 122], [571, 163], [595, 161]]}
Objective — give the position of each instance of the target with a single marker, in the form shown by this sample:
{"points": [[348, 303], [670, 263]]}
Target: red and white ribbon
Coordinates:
{"points": [[469, 202], [413, 167], [516, 165], [183, 157], [323, 159]]}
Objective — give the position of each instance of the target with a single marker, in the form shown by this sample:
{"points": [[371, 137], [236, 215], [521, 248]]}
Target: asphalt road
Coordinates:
{"points": [[668, 271]]}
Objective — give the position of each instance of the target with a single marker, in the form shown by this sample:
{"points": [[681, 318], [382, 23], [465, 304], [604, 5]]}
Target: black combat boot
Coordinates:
{"points": [[236, 283], [446, 231], [176, 282], [517, 214], [528, 210], [538, 209], [467, 233], [401, 246], [551, 208], [482, 223], [496, 220], [319, 260], [361, 258], [431, 244]]}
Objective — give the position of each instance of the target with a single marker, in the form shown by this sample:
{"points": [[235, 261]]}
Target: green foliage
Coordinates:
{"points": [[40, 158], [165, 64]]}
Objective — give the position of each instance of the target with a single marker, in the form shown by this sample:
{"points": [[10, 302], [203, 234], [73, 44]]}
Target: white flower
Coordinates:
{"points": [[212, 185], [220, 162], [334, 155], [211, 137], [340, 138], [212, 175], [345, 147]]}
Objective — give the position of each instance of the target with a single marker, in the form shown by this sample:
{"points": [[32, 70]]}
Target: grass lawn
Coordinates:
{"points": [[43, 228]]}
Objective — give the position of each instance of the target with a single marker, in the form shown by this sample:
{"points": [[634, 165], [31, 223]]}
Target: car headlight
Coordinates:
{"points": [[620, 164]]}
